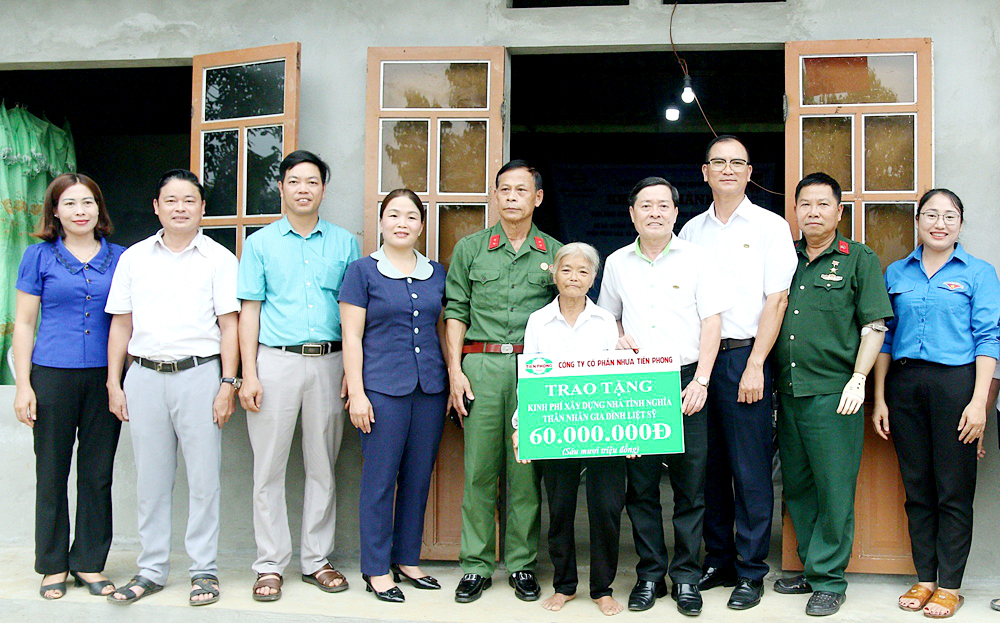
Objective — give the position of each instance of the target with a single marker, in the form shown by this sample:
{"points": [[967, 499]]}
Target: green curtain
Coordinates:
{"points": [[33, 152]]}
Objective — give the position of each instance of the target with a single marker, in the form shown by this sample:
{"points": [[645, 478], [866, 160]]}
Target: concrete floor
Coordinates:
{"points": [[870, 598]]}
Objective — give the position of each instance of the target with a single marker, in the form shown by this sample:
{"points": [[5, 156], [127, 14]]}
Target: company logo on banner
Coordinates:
{"points": [[538, 365]]}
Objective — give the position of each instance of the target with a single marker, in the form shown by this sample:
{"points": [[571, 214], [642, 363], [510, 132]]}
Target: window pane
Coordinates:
{"points": [[463, 156], [404, 155], [874, 79], [435, 85], [826, 147], [264, 154], [846, 224], [889, 230], [219, 175], [226, 236], [251, 229], [890, 152], [455, 221], [421, 239], [245, 91]]}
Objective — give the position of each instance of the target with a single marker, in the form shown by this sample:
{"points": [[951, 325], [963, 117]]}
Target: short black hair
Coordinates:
{"points": [[646, 182], [722, 138], [179, 174], [521, 164], [819, 179], [409, 194], [298, 157], [947, 193]]}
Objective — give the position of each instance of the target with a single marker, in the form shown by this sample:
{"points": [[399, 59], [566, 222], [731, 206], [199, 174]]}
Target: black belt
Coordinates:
{"points": [[730, 344], [174, 366], [314, 349]]}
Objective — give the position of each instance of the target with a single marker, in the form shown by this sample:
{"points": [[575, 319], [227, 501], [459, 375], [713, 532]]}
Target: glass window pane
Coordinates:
{"points": [[455, 221], [403, 155], [435, 85], [264, 153], [219, 173], [826, 147], [245, 91], [421, 239], [251, 229], [889, 230], [890, 152], [846, 224], [463, 156], [874, 79], [226, 236]]}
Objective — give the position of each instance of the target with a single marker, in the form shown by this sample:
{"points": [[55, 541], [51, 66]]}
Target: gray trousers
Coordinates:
{"points": [[294, 383], [166, 410]]}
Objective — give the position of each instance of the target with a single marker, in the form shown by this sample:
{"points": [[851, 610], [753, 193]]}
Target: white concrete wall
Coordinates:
{"points": [[335, 35]]}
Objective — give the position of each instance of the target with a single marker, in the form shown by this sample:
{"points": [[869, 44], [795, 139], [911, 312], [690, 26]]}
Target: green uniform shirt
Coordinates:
{"points": [[829, 300], [493, 289]]}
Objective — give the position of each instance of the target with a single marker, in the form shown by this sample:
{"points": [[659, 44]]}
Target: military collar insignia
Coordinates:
{"points": [[540, 243], [844, 247], [494, 242]]}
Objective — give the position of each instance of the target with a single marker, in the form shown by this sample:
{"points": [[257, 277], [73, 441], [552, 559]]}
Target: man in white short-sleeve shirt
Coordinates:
{"points": [[755, 253], [667, 295], [174, 302]]}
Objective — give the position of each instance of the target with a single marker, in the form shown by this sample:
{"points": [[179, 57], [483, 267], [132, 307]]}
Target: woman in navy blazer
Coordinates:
{"points": [[397, 385]]}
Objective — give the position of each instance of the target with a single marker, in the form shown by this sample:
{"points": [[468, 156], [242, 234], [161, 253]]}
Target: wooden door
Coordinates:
{"points": [[434, 125], [862, 111], [244, 121]]}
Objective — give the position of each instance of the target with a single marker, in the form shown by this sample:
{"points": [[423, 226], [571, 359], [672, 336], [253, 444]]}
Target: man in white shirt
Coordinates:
{"points": [[755, 252], [174, 302], [667, 296]]}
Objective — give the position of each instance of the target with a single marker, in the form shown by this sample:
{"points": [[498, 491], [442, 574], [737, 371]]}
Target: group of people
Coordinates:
{"points": [[397, 342]]}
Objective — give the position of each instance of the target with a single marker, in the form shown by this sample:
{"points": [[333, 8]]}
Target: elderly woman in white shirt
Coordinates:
{"points": [[573, 323]]}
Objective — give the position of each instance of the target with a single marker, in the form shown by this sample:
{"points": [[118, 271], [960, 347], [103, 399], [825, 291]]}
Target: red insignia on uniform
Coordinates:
{"points": [[844, 247], [494, 242], [539, 243]]}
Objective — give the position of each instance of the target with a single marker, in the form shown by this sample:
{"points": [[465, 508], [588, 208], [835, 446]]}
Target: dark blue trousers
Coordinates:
{"points": [[739, 492], [399, 455]]}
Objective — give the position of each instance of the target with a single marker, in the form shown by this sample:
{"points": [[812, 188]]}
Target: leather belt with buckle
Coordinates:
{"points": [[174, 366], [317, 349], [487, 347], [730, 344]]}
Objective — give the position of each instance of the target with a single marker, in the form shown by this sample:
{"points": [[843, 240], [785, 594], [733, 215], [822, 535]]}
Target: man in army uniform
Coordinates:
{"points": [[829, 340], [497, 278]]}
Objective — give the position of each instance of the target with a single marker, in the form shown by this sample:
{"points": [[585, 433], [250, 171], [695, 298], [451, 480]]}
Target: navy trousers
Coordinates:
{"points": [[399, 456], [739, 492]]}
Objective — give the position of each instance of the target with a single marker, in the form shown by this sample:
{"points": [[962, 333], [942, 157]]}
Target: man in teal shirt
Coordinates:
{"points": [[290, 275]]}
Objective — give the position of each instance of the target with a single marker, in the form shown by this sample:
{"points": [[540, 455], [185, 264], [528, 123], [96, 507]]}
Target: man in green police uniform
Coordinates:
{"points": [[831, 335], [497, 278]]}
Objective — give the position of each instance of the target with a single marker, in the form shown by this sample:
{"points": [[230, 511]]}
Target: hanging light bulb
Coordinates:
{"points": [[687, 95], [673, 113]]}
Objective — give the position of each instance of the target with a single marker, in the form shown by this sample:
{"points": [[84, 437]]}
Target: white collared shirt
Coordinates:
{"points": [[175, 298], [548, 332], [661, 302], [755, 255], [422, 270]]}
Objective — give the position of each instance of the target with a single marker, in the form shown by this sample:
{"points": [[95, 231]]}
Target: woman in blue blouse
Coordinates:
{"points": [[397, 387], [931, 384], [61, 376]]}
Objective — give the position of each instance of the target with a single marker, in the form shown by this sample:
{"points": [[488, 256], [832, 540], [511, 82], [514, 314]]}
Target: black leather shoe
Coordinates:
{"points": [[427, 583], [793, 586], [717, 576], [525, 585], [644, 594], [392, 595], [471, 587], [747, 594], [688, 599], [824, 603]]}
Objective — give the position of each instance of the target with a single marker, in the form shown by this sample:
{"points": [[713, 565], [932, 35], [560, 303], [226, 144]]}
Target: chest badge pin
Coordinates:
{"points": [[544, 266]]}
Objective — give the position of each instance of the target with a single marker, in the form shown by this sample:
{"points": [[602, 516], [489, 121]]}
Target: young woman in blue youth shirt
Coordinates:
{"points": [[943, 344], [60, 377], [397, 387]]}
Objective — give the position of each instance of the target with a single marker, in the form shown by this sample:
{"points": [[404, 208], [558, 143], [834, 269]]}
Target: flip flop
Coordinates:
{"points": [[148, 588], [204, 584], [951, 604], [921, 593]]}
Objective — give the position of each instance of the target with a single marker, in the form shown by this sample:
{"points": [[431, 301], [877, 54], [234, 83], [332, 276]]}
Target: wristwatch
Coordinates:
{"points": [[701, 380], [236, 382]]}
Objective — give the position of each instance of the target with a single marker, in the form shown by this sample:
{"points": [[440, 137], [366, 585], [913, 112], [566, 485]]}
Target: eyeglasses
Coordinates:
{"points": [[950, 218], [738, 165]]}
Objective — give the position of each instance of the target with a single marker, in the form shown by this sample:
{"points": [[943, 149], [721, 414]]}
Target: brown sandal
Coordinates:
{"points": [[268, 580], [322, 575], [951, 603], [921, 593]]}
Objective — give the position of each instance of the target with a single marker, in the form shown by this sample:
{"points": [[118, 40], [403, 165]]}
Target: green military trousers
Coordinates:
{"points": [[820, 458], [488, 450]]}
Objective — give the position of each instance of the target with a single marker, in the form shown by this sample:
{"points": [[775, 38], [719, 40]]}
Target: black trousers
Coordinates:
{"points": [[73, 403], [739, 493], [605, 499], [642, 500], [925, 402]]}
